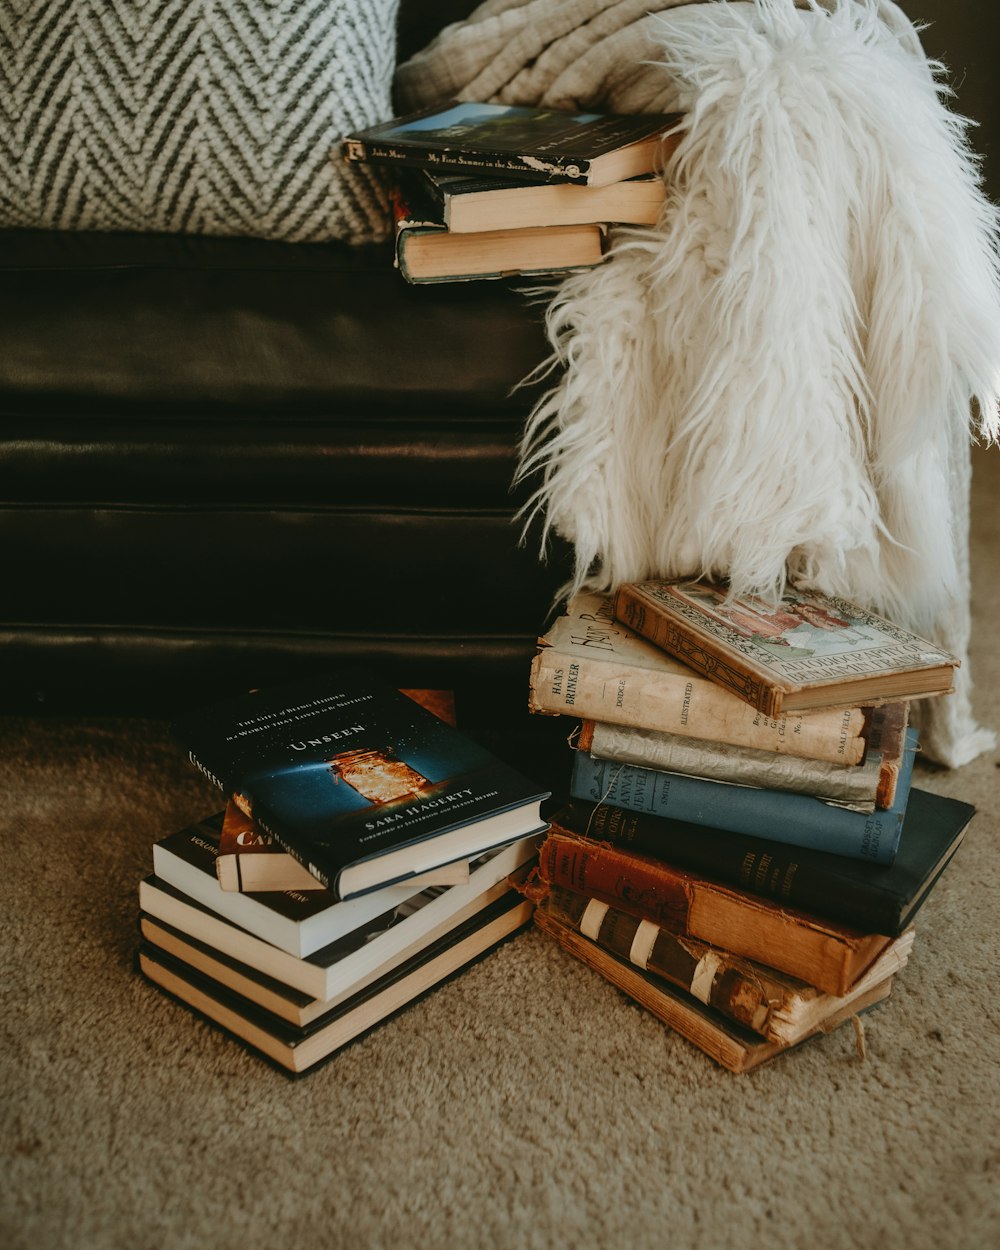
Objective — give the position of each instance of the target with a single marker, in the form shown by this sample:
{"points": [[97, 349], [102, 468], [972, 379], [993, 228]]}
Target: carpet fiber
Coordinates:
{"points": [[523, 1104]]}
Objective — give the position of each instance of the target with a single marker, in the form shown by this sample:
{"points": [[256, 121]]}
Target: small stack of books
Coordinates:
{"points": [[392, 844], [743, 850], [491, 190]]}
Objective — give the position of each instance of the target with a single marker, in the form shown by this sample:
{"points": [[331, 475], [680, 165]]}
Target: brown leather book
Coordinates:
{"points": [[821, 952]]}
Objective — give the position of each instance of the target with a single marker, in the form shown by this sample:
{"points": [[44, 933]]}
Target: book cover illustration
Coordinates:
{"points": [[344, 769], [536, 143], [762, 651]]}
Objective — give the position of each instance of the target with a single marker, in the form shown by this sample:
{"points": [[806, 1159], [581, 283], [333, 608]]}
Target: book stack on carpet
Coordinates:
{"points": [[491, 190], [412, 837], [743, 850]]}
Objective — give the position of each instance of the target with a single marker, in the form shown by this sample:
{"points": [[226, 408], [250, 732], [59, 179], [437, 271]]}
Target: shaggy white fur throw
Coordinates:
{"points": [[778, 381]]}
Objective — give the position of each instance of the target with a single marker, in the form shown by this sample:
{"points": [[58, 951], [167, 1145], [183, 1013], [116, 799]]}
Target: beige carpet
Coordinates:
{"points": [[525, 1104]]}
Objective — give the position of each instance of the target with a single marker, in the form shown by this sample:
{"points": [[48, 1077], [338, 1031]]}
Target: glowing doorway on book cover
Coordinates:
{"points": [[376, 775]]}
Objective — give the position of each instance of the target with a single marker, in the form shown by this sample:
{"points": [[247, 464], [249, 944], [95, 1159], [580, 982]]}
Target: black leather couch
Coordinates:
{"points": [[224, 462], [227, 462]]}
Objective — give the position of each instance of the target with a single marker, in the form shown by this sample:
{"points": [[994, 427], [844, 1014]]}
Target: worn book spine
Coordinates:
{"points": [[810, 881], [684, 703], [740, 989], [729, 1044], [885, 732], [777, 815], [701, 654], [821, 952], [857, 786]]}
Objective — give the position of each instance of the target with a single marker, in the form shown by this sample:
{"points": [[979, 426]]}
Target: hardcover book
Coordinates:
{"points": [[779, 1007], [251, 862], [866, 896], [358, 951], [535, 144], [775, 814], [814, 949], [427, 251], [469, 203], [860, 787], [589, 665], [298, 1048], [806, 652], [358, 782], [730, 1045]]}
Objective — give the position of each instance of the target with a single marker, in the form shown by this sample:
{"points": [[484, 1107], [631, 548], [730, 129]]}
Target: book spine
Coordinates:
{"points": [[623, 694], [847, 784], [649, 621], [739, 989], [679, 903], [263, 821], [554, 168], [793, 876], [244, 801], [780, 817]]}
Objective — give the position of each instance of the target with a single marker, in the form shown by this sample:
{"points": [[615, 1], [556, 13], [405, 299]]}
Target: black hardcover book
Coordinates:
{"points": [[358, 782], [299, 1048], [867, 896], [534, 144]]}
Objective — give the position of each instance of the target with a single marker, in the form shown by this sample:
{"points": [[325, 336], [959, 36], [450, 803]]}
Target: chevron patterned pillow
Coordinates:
{"points": [[193, 116]]}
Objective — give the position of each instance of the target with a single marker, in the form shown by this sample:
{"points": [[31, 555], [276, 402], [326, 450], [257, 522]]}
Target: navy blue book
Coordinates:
{"points": [[778, 815], [359, 783], [875, 898]]}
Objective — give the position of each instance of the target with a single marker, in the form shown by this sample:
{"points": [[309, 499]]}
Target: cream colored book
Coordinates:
{"points": [[591, 666]]}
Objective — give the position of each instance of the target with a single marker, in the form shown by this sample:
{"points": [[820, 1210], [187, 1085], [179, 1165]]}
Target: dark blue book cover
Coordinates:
{"points": [[778, 815], [357, 781]]}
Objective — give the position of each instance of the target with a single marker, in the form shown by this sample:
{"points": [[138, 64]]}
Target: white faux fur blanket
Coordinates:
{"points": [[779, 380]]}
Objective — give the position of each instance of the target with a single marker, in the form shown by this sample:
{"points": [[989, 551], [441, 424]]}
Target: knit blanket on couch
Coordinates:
{"points": [[780, 379]]}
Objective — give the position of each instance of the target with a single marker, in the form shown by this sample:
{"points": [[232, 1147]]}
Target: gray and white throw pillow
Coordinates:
{"points": [[193, 116]]}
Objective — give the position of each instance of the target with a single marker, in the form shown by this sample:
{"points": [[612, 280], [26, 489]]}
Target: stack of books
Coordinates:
{"points": [[368, 850], [743, 850], [490, 190]]}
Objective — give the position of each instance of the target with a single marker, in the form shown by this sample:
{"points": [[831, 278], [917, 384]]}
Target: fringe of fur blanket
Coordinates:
{"points": [[778, 381]]}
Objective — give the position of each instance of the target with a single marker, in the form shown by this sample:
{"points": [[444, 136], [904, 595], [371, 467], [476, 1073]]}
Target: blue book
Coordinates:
{"points": [[776, 814]]}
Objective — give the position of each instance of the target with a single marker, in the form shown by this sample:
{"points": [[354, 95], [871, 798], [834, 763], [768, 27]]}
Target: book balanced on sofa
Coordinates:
{"points": [[535, 144], [357, 781]]}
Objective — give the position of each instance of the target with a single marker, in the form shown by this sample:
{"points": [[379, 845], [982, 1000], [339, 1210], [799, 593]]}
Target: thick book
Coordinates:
{"points": [[535, 144], [298, 1048], [358, 782], [251, 862], [731, 1046], [762, 999], [865, 896], [861, 787], [427, 251], [808, 651], [590, 666], [357, 953], [778, 815], [471, 203], [814, 949]]}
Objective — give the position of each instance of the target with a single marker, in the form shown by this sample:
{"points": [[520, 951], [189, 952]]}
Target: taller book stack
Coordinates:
{"points": [[716, 845]]}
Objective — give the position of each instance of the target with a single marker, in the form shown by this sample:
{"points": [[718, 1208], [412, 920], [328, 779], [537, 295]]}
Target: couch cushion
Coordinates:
{"points": [[160, 324], [199, 116]]}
